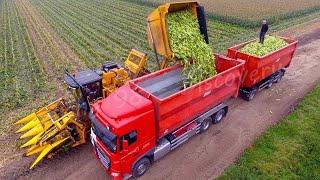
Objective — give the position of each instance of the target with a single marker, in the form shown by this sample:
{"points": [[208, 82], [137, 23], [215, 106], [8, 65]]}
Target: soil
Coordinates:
{"points": [[204, 156]]}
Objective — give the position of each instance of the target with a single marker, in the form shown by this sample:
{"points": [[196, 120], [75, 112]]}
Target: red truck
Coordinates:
{"points": [[262, 72], [151, 116], [144, 120]]}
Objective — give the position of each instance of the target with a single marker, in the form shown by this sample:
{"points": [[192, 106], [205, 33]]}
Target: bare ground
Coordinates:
{"points": [[207, 155]]}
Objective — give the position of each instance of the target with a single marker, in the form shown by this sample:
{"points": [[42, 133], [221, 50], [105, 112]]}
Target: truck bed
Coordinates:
{"points": [[258, 68], [175, 105], [165, 85]]}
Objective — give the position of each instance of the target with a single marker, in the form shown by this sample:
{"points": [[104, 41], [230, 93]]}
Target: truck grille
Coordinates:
{"points": [[104, 160]]}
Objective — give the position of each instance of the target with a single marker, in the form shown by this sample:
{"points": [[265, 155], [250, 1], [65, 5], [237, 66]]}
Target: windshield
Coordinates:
{"points": [[107, 137]]}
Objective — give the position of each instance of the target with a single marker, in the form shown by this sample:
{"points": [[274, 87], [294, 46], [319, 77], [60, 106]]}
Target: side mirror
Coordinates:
{"points": [[125, 144]]}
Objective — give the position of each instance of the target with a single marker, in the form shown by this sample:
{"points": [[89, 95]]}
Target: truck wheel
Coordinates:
{"points": [[251, 95], [271, 81], [218, 116], [205, 125], [141, 167], [270, 84], [279, 77]]}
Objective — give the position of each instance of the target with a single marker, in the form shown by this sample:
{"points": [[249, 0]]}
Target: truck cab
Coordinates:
{"points": [[122, 132]]}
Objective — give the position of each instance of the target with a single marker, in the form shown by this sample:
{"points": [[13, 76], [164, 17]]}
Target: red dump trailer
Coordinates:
{"points": [[151, 116], [262, 72]]}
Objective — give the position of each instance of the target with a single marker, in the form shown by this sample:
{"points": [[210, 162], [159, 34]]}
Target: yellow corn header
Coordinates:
{"points": [[48, 128]]}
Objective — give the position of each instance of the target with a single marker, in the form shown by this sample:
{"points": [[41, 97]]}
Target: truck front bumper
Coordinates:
{"points": [[103, 158]]}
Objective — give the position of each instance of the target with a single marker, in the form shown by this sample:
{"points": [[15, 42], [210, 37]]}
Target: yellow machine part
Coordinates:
{"points": [[117, 77], [59, 106], [50, 128], [157, 30], [136, 62], [113, 79]]}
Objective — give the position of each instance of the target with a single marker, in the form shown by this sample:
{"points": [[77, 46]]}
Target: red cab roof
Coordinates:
{"points": [[122, 104]]}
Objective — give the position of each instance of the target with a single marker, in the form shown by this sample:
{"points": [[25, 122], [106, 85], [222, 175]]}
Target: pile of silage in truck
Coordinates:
{"points": [[189, 46], [270, 44]]}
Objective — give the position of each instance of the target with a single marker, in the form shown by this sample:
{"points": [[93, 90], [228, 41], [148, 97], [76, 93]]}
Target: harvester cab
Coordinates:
{"points": [[86, 88]]}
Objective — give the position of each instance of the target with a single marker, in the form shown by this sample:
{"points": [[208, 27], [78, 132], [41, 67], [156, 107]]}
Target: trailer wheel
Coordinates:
{"points": [[205, 125], [272, 79], [279, 77], [270, 84], [218, 116], [141, 167], [251, 95]]}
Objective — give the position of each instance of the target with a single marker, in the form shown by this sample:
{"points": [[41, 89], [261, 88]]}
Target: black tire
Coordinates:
{"points": [[205, 125], [279, 77], [271, 81], [141, 167], [251, 95], [270, 84], [218, 116]]}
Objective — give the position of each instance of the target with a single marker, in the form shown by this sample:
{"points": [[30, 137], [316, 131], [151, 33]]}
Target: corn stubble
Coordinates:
{"points": [[190, 48]]}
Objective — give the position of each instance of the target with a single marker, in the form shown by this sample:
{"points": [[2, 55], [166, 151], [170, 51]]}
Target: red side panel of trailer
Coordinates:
{"points": [[258, 68], [182, 106]]}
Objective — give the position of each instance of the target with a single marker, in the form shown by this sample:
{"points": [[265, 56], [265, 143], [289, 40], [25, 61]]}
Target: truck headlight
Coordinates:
{"points": [[114, 174]]}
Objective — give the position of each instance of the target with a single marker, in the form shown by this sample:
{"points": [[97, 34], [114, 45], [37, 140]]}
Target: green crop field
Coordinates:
{"points": [[289, 150], [21, 74], [98, 30], [252, 9]]}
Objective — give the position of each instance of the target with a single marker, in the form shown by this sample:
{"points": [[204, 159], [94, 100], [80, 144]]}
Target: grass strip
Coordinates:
{"points": [[288, 150]]}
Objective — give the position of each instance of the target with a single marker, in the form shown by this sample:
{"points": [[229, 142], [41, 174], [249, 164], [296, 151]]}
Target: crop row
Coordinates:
{"points": [[95, 31], [113, 25], [21, 75], [102, 30], [50, 53]]}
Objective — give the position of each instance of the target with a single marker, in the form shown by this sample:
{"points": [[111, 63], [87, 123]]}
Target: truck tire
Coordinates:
{"points": [[251, 95], [141, 167], [218, 116], [279, 77], [270, 83], [205, 125]]}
